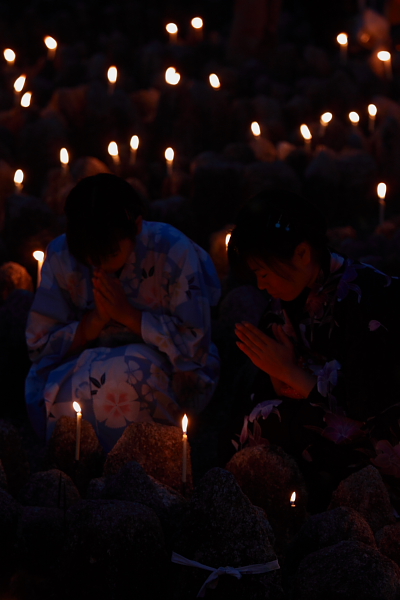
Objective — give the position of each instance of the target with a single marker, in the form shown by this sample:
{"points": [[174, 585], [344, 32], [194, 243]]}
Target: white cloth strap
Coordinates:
{"points": [[212, 580]]}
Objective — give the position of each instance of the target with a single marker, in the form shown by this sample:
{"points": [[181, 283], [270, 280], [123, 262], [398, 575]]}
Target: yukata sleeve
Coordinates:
{"points": [[53, 319], [183, 332]]}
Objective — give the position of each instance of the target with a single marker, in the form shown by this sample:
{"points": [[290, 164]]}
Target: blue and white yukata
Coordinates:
{"points": [[122, 378]]}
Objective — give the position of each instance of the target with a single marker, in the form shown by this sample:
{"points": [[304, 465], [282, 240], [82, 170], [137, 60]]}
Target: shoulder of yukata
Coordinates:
{"points": [[65, 268], [160, 236]]}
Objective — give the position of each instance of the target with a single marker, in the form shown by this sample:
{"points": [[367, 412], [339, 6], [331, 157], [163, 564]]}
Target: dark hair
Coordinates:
{"points": [[101, 211], [272, 224]]}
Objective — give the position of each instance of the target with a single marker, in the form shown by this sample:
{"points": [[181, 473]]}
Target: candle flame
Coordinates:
{"points": [[18, 176], [354, 117], [342, 39], [171, 76], [26, 99], [381, 190], [305, 132], [77, 407], [255, 129], [19, 83], [50, 42], [293, 498], [9, 55], [171, 28], [197, 23], [169, 154], [184, 423], [113, 149], [134, 143], [372, 110], [227, 239], [214, 81], [38, 255], [112, 74], [383, 55], [64, 156], [326, 118]]}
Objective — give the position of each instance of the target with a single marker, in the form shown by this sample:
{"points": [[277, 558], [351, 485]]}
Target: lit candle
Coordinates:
{"points": [[113, 152], [77, 409], [381, 190], [18, 179], [214, 81], [354, 118], [184, 448], [19, 86], [197, 24], [306, 133], [26, 99], [169, 157], [293, 499], [227, 239], [171, 76], [134, 144], [39, 256], [343, 41], [385, 57], [172, 30], [51, 46], [372, 110], [255, 129], [64, 158], [9, 55], [112, 75], [324, 120]]}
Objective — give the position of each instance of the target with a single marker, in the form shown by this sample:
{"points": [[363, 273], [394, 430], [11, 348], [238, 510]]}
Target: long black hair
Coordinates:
{"points": [[101, 210]]}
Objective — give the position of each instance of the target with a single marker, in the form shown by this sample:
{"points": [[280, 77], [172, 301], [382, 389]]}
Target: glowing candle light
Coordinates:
{"points": [[18, 179], [343, 41], [293, 499], [385, 57], [51, 46], [19, 84], [255, 129], [324, 120], [64, 158], [9, 55], [39, 256], [381, 191], [171, 76], [197, 24], [134, 145], [26, 99], [228, 239], [169, 157], [372, 110], [113, 152], [214, 81], [306, 133], [184, 448], [77, 409], [354, 118], [172, 30], [112, 75]]}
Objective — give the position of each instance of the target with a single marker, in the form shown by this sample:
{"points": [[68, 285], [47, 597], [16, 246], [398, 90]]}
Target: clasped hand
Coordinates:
{"points": [[111, 300]]}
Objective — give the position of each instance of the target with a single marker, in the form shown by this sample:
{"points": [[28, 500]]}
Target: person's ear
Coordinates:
{"points": [[303, 253], [139, 224]]}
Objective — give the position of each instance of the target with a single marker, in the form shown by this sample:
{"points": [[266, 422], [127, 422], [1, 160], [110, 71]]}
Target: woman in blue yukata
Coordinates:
{"points": [[121, 320]]}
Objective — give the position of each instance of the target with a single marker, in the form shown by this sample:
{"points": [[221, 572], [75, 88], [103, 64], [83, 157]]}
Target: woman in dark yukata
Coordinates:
{"points": [[327, 345]]}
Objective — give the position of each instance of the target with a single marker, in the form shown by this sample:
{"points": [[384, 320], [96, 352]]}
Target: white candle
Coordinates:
{"points": [[381, 191], [172, 30], [372, 110], [354, 118], [197, 24], [324, 120], [64, 158], [39, 256], [19, 86], [134, 144], [343, 41], [26, 99], [169, 157], [214, 81], [171, 76], [51, 46], [113, 152], [112, 75], [9, 55], [385, 57], [18, 179], [77, 409], [184, 448], [293, 499], [306, 133]]}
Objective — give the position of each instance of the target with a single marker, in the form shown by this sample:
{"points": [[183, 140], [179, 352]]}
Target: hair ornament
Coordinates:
{"points": [[287, 228], [278, 223]]}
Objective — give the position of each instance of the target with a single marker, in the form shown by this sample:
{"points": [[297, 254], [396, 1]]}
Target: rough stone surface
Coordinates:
{"points": [[366, 493], [223, 528], [158, 448], [52, 489], [13, 457], [347, 571], [40, 535], [61, 452], [268, 476], [114, 550], [388, 541], [10, 510], [327, 529], [95, 488]]}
